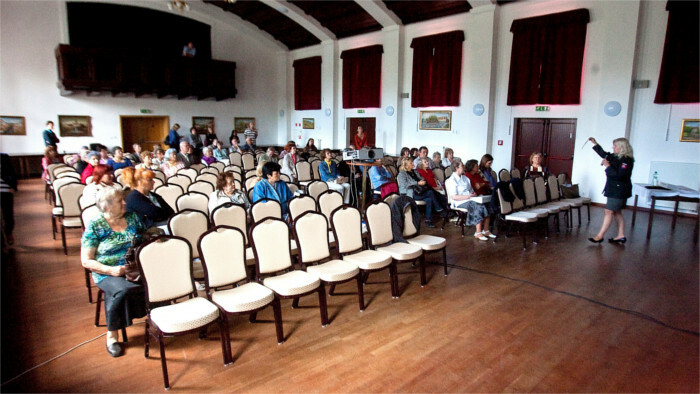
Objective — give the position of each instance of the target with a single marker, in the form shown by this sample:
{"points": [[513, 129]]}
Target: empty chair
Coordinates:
{"points": [[56, 168], [71, 218], [515, 173], [555, 198], [315, 188], [190, 224], [189, 172], [57, 211], [232, 215], [248, 161], [193, 200], [165, 269], [328, 201], [250, 173], [235, 159], [299, 205], [293, 188], [503, 175], [208, 177], [542, 211], [208, 170], [285, 178], [181, 180], [234, 168], [170, 193], [157, 183], [314, 168], [439, 174], [428, 243], [304, 174], [218, 165], [265, 209], [71, 174], [561, 178], [160, 175], [521, 218], [250, 182], [197, 167], [203, 187], [310, 231]]}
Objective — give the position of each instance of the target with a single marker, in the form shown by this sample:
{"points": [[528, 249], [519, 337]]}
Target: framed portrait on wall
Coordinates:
{"points": [[690, 130], [435, 120], [202, 123], [12, 125], [74, 126]]}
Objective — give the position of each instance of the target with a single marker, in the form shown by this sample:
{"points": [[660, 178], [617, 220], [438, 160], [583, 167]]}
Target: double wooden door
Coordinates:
{"points": [[553, 137], [146, 130]]}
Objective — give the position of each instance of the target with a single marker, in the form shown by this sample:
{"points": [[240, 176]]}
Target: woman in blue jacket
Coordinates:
{"points": [[329, 174]]}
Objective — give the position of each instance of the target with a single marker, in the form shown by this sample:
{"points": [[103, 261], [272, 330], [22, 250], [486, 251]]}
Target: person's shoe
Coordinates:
{"points": [[617, 241], [480, 237], [595, 241], [115, 349], [429, 224], [488, 234]]}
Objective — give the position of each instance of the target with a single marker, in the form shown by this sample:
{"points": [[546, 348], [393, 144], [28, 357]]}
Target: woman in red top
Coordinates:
{"points": [[360, 138], [479, 184], [427, 174], [50, 157]]}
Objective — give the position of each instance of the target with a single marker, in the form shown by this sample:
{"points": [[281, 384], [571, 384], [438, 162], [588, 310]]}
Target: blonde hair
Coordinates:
{"points": [[625, 147], [404, 160], [532, 156]]}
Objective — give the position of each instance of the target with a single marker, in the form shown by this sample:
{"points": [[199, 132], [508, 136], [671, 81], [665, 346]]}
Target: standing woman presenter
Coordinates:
{"points": [[618, 186]]}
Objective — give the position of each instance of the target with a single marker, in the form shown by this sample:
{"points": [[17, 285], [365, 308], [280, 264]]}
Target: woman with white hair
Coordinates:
{"points": [[103, 247], [171, 164], [208, 155], [618, 186]]}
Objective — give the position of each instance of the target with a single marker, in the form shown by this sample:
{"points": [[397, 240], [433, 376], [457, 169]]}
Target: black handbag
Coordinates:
{"points": [[131, 268]]}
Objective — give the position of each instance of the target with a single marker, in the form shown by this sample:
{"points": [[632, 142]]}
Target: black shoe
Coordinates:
{"points": [[115, 350], [595, 241], [429, 224], [617, 241]]}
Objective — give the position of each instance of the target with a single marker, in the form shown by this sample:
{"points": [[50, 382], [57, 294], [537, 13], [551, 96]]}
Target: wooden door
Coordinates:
{"points": [[529, 137], [553, 137], [369, 126], [146, 130]]}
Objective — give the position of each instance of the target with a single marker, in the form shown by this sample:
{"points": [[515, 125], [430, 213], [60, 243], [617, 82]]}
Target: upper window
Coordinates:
{"points": [[437, 69], [362, 77], [307, 83]]}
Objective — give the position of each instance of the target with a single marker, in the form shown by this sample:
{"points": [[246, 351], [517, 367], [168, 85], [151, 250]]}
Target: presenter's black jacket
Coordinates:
{"points": [[619, 174]]}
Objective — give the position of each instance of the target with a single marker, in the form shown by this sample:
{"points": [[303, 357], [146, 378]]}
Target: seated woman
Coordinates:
{"points": [[220, 153], [414, 186], [405, 152], [460, 191], [381, 179], [159, 158], [118, 160], [479, 184], [104, 155], [310, 147], [536, 168], [485, 169], [50, 157], [102, 179], [147, 161], [103, 246], [271, 188], [449, 156], [208, 156], [93, 159], [289, 162], [427, 174], [437, 160], [172, 164], [151, 208], [226, 192], [328, 171]]}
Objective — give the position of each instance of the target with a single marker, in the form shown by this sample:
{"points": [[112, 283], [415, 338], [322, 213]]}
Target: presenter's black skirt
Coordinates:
{"points": [[615, 204]]}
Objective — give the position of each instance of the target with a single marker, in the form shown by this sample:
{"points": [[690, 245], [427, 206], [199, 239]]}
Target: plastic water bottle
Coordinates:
{"points": [[655, 179]]}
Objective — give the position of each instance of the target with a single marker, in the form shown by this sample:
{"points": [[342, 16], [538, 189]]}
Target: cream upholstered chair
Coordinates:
{"points": [[160, 175], [208, 176], [69, 195], [300, 204], [233, 168], [197, 167], [311, 233], [53, 170], [235, 159], [218, 165], [542, 212], [504, 175], [265, 209], [87, 215], [189, 172], [315, 188], [248, 161], [157, 183], [428, 243], [314, 168], [250, 173], [72, 174], [285, 178], [203, 187], [222, 250], [234, 215], [212, 169], [328, 201], [236, 176], [292, 187], [515, 173], [304, 173], [181, 180], [170, 193], [347, 227], [193, 200], [273, 266], [574, 203], [378, 218], [57, 211], [190, 225], [390, 198], [541, 191], [250, 182], [439, 174], [508, 215], [167, 276]]}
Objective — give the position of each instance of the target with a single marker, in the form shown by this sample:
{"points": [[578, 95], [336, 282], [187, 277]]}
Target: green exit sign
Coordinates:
{"points": [[360, 111], [540, 108]]}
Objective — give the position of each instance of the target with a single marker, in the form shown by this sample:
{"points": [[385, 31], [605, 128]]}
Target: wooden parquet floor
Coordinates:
{"points": [[562, 316]]}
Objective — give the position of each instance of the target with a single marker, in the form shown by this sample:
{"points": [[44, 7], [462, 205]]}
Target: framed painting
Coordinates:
{"points": [[202, 123], [435, 120], [12, 125], [240, 124], [307, 123], [690, 130], [74, 126]]}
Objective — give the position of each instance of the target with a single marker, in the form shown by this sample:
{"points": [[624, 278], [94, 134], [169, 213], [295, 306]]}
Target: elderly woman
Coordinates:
{"points": [[172, 164], [159, 158], [220, 153], [289, 162], [427, 174], [151, 208], [381, 179], [414, 186], [103, 246], [93, 159], [50, 157], [102, 179], [118, 160], [328, 171], [147, 161], [536, 167], [460, 190], [449, 156], [271, 188], [208, 156], [226, 192]]}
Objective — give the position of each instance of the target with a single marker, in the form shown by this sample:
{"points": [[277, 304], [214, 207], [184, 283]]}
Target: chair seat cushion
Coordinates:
{"points": [[402, 251], [184, 316], [428, 242], [522, 217], [419, 202], [292, 283], [540, 212], [72, 221], [369, 259], [334, 270], [57, 211], [551, 208], [247, 297]]}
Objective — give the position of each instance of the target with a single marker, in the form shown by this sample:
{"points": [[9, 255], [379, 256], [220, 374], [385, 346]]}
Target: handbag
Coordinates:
{"points": [[569, 191], [419, 190], [131, 268]]}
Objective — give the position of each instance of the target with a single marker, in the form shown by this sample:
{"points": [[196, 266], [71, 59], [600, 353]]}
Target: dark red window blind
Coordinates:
{"points": [[678, 78], [307, 83], [437, 69], [362, 77], [547, 58]]}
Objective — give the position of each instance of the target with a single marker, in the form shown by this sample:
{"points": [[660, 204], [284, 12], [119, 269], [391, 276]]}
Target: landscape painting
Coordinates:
{"points": [[12, 125], [74, 126], [435, 120]]}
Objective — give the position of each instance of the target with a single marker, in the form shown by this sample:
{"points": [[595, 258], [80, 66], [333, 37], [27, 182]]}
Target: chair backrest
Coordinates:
{"points": [[314, 169], [170, 193], [197, 167], [193, 200], [190, 225], [120, 180], [409, 229], [529, 188], [64, 174], [53, 167], [506, 207], [300, 204], [392, 170], [303, 171], [328, 201], [265, 209], [347, 228], [218, 165], [494, 175], [69, 194], [390, 198], [271, 246], [504, 175], [203, 187], [250, 173], [160, 175], [166, 268], [514, 173], [181, 180], [250, 182], [517, 204], [118, 171], [378, 216], [157, 183], [60, 182], [222, 250], [232, 215], [88, 214], [248, 161], [561, 178], [285, 178], [88, 180], [293, 187], [189, 172], [315, 188], [234, 168], [439, 174], [209, 170], [63, 170], [235, 159], [311, 233], [553, 185], [540, 190], [448, 172]]}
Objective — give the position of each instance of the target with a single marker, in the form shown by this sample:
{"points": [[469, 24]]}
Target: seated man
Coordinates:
{"points": [[271, 188], [249, 145], [135, 156], [381, 179], [186, 154], [422, 154], [269, 155]]}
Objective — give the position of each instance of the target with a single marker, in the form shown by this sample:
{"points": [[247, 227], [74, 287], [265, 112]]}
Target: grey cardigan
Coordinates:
{"points": [[406, 182]]}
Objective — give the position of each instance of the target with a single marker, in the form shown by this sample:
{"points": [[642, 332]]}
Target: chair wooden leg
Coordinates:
{"points": [[253, 317], [98, 307], [444, 259], [394, 280], [322, 304], [63, 238], [125, 339], [53, 226], [421, 263], [360, 291], [277, 311], [166, 381], [295, 303], [331, 290], [225, 339], [87, 284]]}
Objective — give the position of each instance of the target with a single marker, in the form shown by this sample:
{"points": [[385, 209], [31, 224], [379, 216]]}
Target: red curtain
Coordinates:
{"points": [[362, 77], [678, 78], [547, 58], [307, 83], [437, 69]]}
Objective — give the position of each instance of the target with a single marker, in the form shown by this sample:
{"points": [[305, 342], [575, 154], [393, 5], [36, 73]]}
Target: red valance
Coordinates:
{"points": [[437, 69], [307, 83], [362, 77]]}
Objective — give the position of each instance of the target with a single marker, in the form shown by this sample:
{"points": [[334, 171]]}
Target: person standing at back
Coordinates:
{"points": [[173, 138], [251, 133], [50, 138]]}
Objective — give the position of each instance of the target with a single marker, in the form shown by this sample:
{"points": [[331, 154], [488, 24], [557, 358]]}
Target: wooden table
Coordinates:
{"points": [[364, 166], [669, 193]]}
